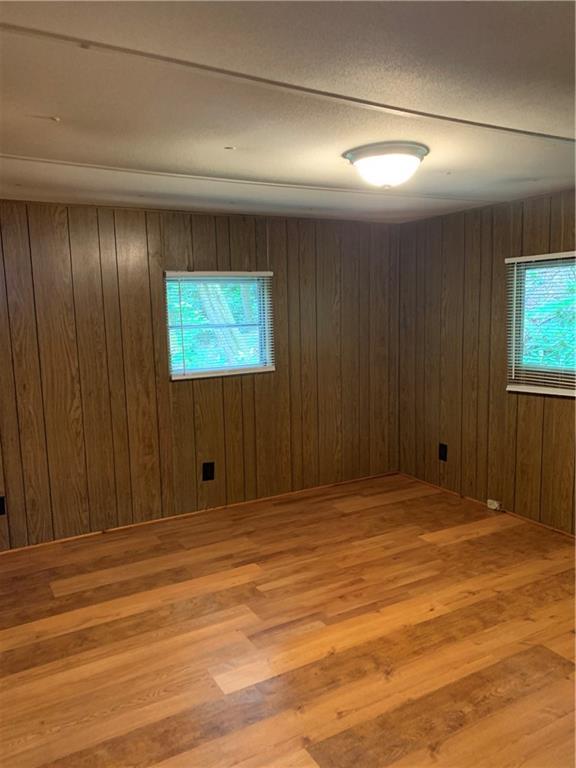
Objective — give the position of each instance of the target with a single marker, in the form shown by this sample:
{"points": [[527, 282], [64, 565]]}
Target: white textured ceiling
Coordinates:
{"points": [[147, 131]]}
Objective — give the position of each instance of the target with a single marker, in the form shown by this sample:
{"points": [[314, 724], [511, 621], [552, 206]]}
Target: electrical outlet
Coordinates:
{"points": [[207, 471], [442, 451], [493, 504]]}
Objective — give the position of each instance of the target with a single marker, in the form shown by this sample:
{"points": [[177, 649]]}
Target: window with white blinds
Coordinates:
{"points": [[219, 323], [542, 324]]}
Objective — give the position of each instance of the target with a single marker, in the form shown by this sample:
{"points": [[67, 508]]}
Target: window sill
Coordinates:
{"points": [[531, 389], [219, 374]]}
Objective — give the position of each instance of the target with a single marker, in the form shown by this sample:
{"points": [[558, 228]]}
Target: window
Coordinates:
{"points": [[542, 324], [219, 323]]}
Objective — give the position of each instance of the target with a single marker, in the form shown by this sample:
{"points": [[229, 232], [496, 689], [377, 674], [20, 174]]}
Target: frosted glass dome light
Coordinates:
{"points": [[388, 163]]}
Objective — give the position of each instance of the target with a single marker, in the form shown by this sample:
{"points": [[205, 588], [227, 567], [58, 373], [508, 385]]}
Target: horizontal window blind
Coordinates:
{"points": [[541, 296], [219, 323]]}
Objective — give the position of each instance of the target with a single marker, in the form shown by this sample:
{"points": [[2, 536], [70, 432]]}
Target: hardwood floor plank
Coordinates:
{"points": [[52, 655], [380, 742], [79, 720], [349, 632], [472, 530], [355, 505], [345, 706], [511, 732], [53, 626], [299, 759], [375, 623], [150, 565]]}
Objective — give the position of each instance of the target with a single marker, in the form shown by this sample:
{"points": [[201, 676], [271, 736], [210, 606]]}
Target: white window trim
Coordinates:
{"points": [[541, 257], [533, 388], [215, 374]]}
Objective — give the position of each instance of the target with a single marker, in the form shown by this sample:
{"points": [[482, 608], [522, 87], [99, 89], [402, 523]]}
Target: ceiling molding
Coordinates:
{"points": [[251, 182], [275, 84]]}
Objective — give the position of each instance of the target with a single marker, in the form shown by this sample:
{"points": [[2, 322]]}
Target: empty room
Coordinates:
{"points": [[287, 384]]}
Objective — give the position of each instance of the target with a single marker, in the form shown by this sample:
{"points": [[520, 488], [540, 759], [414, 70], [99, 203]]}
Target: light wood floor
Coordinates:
{"points": [[378, 623]]}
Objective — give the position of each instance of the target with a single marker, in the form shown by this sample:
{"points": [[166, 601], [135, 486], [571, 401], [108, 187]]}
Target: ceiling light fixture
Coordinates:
{"points": [[388, 163]]}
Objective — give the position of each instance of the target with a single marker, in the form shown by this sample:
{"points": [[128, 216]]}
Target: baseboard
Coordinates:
{"points": [[184, 515], [286, 495], [484, 506]]}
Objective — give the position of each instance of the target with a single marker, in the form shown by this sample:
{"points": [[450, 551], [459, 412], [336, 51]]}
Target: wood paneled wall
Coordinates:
{"points": [[516, 448], [389, 340], [92, 432]]}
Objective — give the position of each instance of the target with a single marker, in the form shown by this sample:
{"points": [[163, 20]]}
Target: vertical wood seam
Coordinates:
{"points": [[462, 347], [41, 380], [107, 360], [16, 414], [123, 364], [489, 361], [41, 377], [298, 231], [90, 501], [317, 367], [163, 480]]}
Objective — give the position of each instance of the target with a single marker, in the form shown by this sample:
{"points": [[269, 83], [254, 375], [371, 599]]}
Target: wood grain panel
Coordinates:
{"points": [[234, 426], [329, 339], [365, 354], [484, 355], [535, 240], [177, 248], [161, 361], [557, 490], [392, 419], [25, 460], [407, 371], [431, 342], [329, 411], [471, 349], [351, 349], [420, 400], [14, 526], [294, 344], [507, 240], [138, 341], [309, 353], [62, 396], [356, 390], [93, 365], [451, 349], [380, 298], [272, 390], [115, 352], [516, 448], [4, 532]]}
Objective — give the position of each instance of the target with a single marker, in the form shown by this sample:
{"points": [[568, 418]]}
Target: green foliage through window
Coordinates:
{"points": [[549, 316], [218, 324]]}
